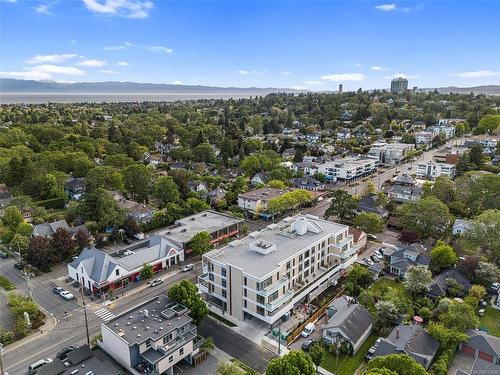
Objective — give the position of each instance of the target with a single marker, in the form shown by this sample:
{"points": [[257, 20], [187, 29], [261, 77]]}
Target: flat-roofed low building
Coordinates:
{"points": [[219, 225], [431, 170], [151, 338], [268, 273], [348, 168], [390, 153]]}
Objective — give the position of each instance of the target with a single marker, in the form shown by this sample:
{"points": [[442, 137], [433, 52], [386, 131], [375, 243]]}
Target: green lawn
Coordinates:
{"points": [[348, 364], [382, 284], [491, 321]]}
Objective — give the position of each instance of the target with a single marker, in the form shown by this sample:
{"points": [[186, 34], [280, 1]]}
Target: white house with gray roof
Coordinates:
{"points": [[99, 271], [268, 273]]}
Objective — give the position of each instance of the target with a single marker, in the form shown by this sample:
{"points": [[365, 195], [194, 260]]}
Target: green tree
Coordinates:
{"points": [[401, 364], [370, 188], [24, 229], [99, 206], [187, 294], [317, 354], [51, 187], [429, 217], [277, 184], [137, 179], [459, 316], [229, 368], [369, 222], [476, 155], [147, 271], [489, 123], [418, 280], [484, 235], [443, 189], [197, 205], [342, 205], [387, 313], [294, 363], [485, 274], [201, 243], [165, 190], [203, 152], [380, 371], [358, 278], [478, 191], [12, 217], [40, 254], [442, 256], [19, 243], [447, 338]]}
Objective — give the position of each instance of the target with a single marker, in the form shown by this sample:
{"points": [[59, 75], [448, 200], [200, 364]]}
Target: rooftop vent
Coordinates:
{"points": [[262, 247], [134, 327], [138, 335]]}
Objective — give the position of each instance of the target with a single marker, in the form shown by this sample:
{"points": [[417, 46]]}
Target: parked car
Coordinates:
{"points": [[372, 236], [32, 369], [374, 258], [368, 261], [187, 267], [66, 295], [61, 354], [19, 266], [3, 255], [308, 330], [307, 344], [155, 282], [127, 241], [57, 290], [378, 255]]}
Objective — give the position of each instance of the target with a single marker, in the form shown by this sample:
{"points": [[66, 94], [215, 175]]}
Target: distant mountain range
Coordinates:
{"points": [[9, 85], [17, 86]]}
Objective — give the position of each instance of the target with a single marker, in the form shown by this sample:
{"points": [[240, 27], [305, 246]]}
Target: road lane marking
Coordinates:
{"points": [[105, 314]]}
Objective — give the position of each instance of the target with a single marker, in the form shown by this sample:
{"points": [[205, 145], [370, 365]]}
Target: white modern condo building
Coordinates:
{"points": [[268, 273]]}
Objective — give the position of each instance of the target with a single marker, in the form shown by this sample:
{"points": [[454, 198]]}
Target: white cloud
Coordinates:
{"points": [[243, 72], [43, 9], [10, 1], [72, 41], [314, 83], [122, 63], [124, 8], [378, 68], [55, 58], [476, 74], [30, 74], [177, 82], [402, 75], [259, 72], [344, 77], [386, 7], [57, 69], [160, 49], [285, 73], [108, 71], [93, 63]]}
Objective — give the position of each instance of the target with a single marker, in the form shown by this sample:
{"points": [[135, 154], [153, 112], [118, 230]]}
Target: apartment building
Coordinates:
{"points": [[423, 137], [348, 169], [308, 168], [447, 130], [431, 170], [152, 337], [268, 273], [390, 153]]}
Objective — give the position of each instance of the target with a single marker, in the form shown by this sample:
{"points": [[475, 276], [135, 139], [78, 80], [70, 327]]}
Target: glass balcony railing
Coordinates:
{"points": [[273, 287], [270, 307]]}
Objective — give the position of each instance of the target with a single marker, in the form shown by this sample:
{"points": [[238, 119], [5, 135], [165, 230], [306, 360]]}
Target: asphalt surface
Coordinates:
{"points": [[235, 345], [70, 327]]}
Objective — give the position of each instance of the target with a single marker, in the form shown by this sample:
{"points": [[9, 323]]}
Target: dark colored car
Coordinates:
{"points": [[61, 354], [19, 266], [308, 344], [3, 255]]}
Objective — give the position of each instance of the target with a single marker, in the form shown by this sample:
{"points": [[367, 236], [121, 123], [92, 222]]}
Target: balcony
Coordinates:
{"points": [[345, 241], [203, 282], [270, 289], [349, 253], [270, 307]]}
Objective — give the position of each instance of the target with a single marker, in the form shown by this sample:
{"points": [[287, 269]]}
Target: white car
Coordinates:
{"points": [[308, 330], [155, 282], [66, 295], [32, 369], [378, 255], [187, 267], [369, 261]]}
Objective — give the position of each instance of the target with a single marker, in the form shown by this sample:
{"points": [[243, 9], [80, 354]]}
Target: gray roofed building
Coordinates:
{"points": [[83, 360], [152, 337], [307, 183], [404, 193], [460, 226], [439, 287], [368, 204], [350, 322], [412, 255], [48, 229], [260, 178], [410, 339], [483, 345]]}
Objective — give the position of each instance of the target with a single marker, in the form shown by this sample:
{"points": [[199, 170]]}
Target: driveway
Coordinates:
{"points": [[236, 346]]}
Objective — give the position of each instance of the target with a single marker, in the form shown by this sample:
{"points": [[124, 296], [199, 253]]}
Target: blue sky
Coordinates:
{"points": [[313, 45]]}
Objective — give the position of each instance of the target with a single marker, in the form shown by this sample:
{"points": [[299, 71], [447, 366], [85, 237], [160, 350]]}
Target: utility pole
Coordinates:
{"points": [[1, 360], [85, 313], [279, 338]]}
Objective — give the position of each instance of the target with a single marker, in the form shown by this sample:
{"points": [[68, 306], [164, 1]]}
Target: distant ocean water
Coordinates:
{"points": [[37, 98]]}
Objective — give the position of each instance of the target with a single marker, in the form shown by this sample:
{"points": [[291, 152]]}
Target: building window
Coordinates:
{"points": [[211, 276], [245, 292], [244, 281], [167, 338], [170, 359], [148, 343], [260, 310], [245, 303], [224, 283], [287, 265], [117, 272], [224, 293], [300, 258], [181, 351], [223, 272], [260, 299]]}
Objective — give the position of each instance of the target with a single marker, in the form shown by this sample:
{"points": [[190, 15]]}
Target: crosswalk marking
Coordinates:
{"points": [[105, 314]]}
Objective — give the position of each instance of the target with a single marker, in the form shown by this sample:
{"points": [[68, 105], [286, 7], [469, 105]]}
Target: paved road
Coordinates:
{"points": [[71, 330], [235, 345]]}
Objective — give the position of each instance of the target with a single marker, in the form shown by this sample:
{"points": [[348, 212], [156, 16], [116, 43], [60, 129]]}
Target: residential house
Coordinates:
{"points": [[423, 138], [256, 201], [307, 183], [197, 186], [431, 170], [268, 273], [307, 168], [140, 212], [485, 348], [152, 338], [260, 178], [348, 322], [360, 238], [368, 203], [100, 272], [439, 288], [460, 227], [178, 165], [152, 160], [404, 189], [48, 229], [447, 130], [75, 187], [289, 153], [216, 195], [412, 255], [411, 339]]}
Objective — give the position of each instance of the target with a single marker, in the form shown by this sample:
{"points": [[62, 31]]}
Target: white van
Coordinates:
{"points": [[308, 330], [35, 366]]}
